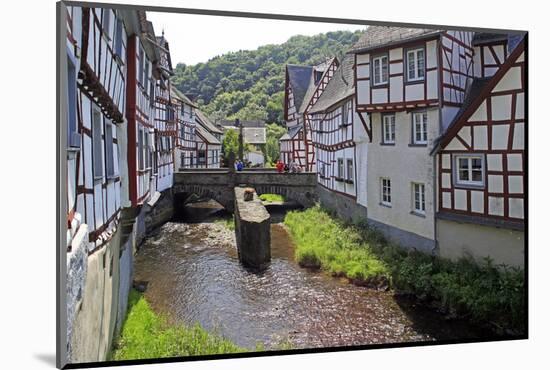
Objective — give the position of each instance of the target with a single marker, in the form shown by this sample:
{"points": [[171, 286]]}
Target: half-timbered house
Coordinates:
{"points": [[303, 86], [208, 139], [481, 160], [186, 142], [140, 110], [96, 50], [410, 84], [340, 138], [165, 119]]}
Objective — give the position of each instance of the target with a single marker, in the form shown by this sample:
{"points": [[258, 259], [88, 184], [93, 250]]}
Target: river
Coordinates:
{"points": [[194, 275]]}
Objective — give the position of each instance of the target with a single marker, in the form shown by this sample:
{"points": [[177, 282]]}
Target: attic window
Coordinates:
{"points": [[318, 76]]}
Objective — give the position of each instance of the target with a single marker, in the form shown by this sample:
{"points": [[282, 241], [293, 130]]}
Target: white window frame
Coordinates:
{"points": [[469, 158], [73, 136], [391, 138], [417, 69], [420, 189], [109, 150], [340, 169], [97, 143], [380, 75], [349, 169], [385, 196], [423, 116]]}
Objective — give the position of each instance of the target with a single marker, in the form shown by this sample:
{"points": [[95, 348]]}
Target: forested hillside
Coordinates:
{"points": [[249, 84]]}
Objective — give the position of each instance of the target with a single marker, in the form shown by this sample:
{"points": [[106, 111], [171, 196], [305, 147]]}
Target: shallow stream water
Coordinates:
{"points": [[194, 275]]}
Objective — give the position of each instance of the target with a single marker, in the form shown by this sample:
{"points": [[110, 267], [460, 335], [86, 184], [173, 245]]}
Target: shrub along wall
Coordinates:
{"points": [[484, 293]]}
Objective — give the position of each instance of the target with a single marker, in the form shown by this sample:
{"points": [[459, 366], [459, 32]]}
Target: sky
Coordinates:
{"points": [[198, 38]]}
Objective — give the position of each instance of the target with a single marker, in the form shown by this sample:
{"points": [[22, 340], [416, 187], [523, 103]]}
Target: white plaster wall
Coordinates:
{"points": [[403, 165], [457, 239]]}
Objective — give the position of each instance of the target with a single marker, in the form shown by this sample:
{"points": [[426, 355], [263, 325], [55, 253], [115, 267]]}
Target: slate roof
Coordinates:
{"points": [[284, 137], [339, 87], [181, 96], [208, 137], [484, 37], [244, 123], [205, 121], [251, 135], [294, 130], [299, 78], [378, 36]]}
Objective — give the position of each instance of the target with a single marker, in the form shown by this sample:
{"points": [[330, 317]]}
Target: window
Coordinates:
{"points": [[147, 149], [73, 137], [141, 65], [109, 156], [388, 129], [349, 171], [146, 74], [151, 93], [140, 149], [380, 70], [344, 120], [340, 169], [202, 157], [469, 170], [322, 169], [420, 128], [419, 198], [415, 65], [97, 145], [119, 37], [106, 23], [386, 191]]}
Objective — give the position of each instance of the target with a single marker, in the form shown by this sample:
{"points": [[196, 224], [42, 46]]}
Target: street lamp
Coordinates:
{"points": [[241, 146]]}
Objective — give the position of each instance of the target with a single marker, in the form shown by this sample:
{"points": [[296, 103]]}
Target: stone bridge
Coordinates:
{"points": [[218, 184]]}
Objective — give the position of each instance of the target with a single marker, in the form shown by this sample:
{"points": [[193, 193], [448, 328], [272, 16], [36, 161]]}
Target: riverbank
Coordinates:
{"points": [[146, 335], [481, 293]]}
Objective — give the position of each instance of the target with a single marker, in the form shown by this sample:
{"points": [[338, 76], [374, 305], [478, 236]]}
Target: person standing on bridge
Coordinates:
{"points": [[280, 166], [240, 165]]}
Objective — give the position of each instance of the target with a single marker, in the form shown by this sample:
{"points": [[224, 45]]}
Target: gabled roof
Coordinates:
{"points": [[202, 119], [322, 67], [181, 96], [478, 92], [379, 36], [165, 49], [293, 131], [339, 87], [299, 78], [284, 137], [205, 135], [244, 123]]}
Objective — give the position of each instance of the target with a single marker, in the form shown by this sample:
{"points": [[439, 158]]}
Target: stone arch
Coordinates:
{"points": [[221, 194], [304, 196]]}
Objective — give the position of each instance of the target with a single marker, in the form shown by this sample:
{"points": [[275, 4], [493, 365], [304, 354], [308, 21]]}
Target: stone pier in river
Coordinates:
{"points": [[252, 229]]}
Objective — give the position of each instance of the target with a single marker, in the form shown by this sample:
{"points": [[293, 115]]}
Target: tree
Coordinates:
{"points": [[249, 83], [273, 134], [230, 144]]}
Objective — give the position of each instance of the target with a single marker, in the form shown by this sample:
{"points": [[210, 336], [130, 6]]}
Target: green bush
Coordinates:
{"points": [[483, 292]]}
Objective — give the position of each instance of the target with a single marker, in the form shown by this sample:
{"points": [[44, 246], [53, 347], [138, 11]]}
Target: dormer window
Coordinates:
{"points": [[415, 64], [380, 70]]}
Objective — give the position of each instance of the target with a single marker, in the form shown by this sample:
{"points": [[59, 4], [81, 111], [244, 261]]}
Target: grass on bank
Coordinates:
{"points": [[270, 198], [226, 221], [147, 335], [483, 292]]}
